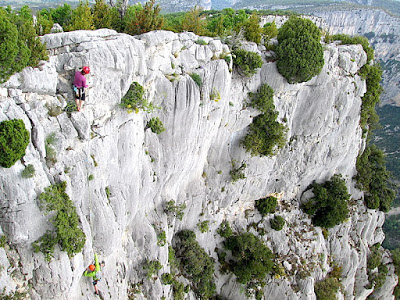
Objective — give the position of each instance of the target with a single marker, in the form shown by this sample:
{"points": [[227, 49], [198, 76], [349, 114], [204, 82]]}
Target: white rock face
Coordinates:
{"points": [[188, 163]]}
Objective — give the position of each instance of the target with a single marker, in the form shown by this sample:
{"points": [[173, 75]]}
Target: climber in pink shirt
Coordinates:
{"points": [[79, 86]]}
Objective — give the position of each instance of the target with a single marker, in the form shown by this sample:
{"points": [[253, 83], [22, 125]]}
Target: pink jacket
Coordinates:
{"points": [[80, 80]]}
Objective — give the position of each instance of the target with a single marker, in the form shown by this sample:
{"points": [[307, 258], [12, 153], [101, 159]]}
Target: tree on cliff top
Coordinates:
{"points": [[146, 19], [300, 54]]}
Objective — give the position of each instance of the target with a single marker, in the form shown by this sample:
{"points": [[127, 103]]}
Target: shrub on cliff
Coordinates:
{"points": [[265, 134], [134, 99], [247, 62], [266, 205], [65, 220], [277, 223], [251, 259], [156, 125], [14, 138], [374, 179], [328, 207], [300, 54], [195, 264], [351, 40]]}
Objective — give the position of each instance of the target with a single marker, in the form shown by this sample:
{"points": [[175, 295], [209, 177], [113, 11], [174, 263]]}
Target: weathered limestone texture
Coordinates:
{"points": [[135, 171]]}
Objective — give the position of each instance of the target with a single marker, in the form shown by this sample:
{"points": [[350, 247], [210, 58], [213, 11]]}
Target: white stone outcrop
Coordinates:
{"points": [[136, 171]]}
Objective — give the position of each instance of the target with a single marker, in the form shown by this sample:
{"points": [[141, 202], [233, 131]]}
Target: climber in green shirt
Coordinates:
{"points": [[95, 272]]}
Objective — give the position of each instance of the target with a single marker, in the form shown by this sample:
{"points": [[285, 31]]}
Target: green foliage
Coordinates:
{"points": [[14, 138], [375, 257], [62, 15], [247, 62], [12, 295], [102, 15], [196, 78], [152, 267], [51, 155], [81, 18], [351, 40], [44, 22], [263, 99], [224, 230], [201, 42], [70, 107], [175, 210], [266, 205], [270, 31], [277, 223], [237, 172], [374, 179], [90, 177], [203, 226], [161, 238], [252, 260], [373, 75], [14, 53], [195, 264], [193, 22], [108, 192], [28, 172], [329, 206], [134, 99], [300, 54], [391, 228], [3, 241], [156, 125], [167, 278], [327, 288], [146, 19], [396, 262], [252, 29], [265, 135], [65, 221]]}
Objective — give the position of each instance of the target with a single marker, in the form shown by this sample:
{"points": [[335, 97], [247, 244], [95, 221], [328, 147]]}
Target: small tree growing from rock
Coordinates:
{"points": [[14, 138]]}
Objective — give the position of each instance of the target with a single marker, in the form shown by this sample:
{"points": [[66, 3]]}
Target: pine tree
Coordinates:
{"points": [[193, 22], [102, 15], [146, 20], [252, 29], [82, 18]]}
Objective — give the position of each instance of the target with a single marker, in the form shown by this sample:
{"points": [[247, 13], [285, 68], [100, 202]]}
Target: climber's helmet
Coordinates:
{"points": [[92, 268], [86, 70]]}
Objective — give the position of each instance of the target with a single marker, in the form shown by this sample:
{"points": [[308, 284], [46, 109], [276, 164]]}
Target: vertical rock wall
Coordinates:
{"points": [[135, 171]]}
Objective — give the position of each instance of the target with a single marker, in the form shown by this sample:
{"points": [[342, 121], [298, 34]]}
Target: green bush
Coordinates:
{"points": [[203, 226], [51, 154], [277, 223], [167, 278], [265, 134], [14, 138], [248, 62], [152, 267], [373, 76], [224, 229], [201, 42], [374, 179], [65, 220], [175, 210], [375, 257], [156, 125], [161, 238], [266, 205], [300, 53], [195, 264], [396, 262], [251, 259], [237, 172], [329, 206], [134, 99], [28, 172], [327, 288], [196, 78], [3, 241]]}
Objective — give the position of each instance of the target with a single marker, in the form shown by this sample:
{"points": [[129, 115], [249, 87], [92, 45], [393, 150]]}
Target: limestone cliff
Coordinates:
{"points": [[135, 171]]}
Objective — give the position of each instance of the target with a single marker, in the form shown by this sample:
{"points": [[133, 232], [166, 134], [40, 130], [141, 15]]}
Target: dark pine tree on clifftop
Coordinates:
{"points": [[300, 53]]}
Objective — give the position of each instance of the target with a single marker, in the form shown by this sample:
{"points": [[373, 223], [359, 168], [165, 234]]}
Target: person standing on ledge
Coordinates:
{"points": [[94, 271], [79, 86]]}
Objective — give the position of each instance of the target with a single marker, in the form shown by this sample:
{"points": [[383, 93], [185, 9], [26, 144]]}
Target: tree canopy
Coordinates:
{"points": [[300, 54]]}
